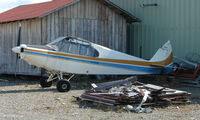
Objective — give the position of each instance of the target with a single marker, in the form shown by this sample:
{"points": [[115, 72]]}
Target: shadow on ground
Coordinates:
{"points": [[84, 83], [28, 91]]}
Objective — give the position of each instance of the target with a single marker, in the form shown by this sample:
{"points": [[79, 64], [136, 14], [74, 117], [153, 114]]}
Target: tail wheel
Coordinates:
{"points": [[44, 83], [63, 86], [175, 67]]}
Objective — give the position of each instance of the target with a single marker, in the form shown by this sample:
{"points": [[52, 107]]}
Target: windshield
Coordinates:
{"points": [[74, 46]]}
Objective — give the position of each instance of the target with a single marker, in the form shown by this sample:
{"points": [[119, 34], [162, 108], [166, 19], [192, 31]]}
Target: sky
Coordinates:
{"points": [[9, 4]]}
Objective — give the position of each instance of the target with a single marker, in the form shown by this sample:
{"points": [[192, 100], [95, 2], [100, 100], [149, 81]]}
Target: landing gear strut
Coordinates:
{"points": [[63, 85], [44, 82]]}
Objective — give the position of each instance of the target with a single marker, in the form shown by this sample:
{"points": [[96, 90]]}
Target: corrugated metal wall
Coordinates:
{"points": [[174, 20]]}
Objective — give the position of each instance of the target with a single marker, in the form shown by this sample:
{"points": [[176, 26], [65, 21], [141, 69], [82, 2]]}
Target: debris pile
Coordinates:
{"points": [[132, 92]]}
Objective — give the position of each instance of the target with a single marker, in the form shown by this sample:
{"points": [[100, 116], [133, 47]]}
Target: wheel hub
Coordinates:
{"points": [[64, 86]]}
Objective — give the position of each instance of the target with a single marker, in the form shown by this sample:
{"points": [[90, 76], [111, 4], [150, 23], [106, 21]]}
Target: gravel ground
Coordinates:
{"points": [[26, 100]]}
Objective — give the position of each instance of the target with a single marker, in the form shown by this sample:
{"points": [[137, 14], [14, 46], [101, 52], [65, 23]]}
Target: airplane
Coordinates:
{"points": [[79, 56]]}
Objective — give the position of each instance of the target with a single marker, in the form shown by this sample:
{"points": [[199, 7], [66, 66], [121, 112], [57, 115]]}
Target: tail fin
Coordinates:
{"points": [[163, 53]]}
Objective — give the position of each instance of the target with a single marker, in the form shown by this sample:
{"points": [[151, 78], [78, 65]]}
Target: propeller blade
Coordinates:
{"points": [[19, 35], [19, 39], [18, 44]]}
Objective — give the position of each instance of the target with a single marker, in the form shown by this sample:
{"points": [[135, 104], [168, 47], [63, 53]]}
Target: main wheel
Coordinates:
{"points": [[44, 83], [63, 86]]}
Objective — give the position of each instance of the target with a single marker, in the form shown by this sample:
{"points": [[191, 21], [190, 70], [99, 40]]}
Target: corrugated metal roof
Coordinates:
{"points": [[42, 9]]}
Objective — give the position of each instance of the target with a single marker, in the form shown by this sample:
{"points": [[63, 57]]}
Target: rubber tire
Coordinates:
{"points": [[60, 85], [44, 83], [175, 65]]}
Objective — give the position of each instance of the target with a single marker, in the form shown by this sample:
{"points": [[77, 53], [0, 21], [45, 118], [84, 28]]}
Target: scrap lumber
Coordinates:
{"points": [[108, 85], [132, 92]]}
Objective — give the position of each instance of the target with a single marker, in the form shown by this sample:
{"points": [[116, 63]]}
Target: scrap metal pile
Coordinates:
{"points": [[132, 92]]}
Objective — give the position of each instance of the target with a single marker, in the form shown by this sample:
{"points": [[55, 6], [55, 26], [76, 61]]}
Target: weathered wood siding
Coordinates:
{"points": [[88, 19], [30, 34]]}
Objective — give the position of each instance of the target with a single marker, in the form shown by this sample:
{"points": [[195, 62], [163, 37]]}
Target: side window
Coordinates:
{"points": [[87, 50], [71, 47]]}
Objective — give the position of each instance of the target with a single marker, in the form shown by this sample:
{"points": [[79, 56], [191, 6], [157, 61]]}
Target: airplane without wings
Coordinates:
{"points": [[78, 56]]}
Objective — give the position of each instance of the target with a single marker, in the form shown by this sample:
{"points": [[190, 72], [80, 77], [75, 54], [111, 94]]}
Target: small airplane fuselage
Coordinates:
{"points": [[78, 56]]}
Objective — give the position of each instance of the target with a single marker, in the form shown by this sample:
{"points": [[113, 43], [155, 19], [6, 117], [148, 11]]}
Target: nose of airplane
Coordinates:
{"points": [[16, 49]]}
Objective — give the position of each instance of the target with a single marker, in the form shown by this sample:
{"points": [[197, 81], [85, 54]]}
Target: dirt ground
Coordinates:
{"points": [[26, 100]]}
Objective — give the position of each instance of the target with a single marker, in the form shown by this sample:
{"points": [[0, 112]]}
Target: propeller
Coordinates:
{"points": [[19, 38], [18, 44]]}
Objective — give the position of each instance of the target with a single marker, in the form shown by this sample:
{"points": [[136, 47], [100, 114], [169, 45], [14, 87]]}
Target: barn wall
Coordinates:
{"points": [[90, 20], [30, 34]]}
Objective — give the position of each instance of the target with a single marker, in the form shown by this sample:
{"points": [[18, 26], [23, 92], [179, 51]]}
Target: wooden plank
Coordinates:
{"points": [[113, 31], [81, 25], [65, 30], [87, 6], [69, 25], [120, 30], [96, 9], [52, 26], [92, 9], [48, 28], [65, 21], [99, 11], [3, 48], [44, 31], [81, 4], [110, 28], [1, 53], [56, 26], [89, 30], [68, 11], [124, 39], [74, 10], [102, 33], [78, 9], [71, 10], [96, 31], [39, 32], [61, 22], [77, 28], [106, 33], [73, 26], [121, 34], [92, 29], [116, 33], [85, 27], [9, 47]]}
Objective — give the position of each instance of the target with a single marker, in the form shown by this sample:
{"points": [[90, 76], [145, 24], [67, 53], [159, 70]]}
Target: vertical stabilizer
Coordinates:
{"points": [[162, 53]]}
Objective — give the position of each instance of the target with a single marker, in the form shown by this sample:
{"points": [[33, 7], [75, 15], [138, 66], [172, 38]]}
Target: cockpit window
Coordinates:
{"points": [[74, 46]]}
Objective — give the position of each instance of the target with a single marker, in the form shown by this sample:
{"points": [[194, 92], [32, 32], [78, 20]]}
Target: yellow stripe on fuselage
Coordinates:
{"points": [[140, 63]]}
